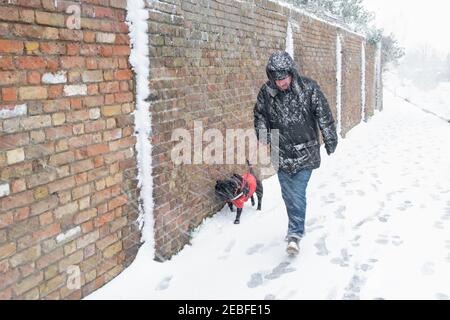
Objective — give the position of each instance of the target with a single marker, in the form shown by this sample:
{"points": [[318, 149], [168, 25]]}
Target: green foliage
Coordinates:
{"points": [[391, 52]]}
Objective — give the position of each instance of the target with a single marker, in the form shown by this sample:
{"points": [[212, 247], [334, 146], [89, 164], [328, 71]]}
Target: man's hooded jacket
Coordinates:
{"points": [[298, 113]]}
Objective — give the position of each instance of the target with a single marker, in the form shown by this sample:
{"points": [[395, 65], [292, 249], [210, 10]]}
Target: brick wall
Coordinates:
{"points": [[68, 194], [207, 64], [67, 162], [370, 80]]}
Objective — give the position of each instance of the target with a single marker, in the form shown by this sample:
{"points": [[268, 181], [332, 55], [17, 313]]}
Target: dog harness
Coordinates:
{"points": [[249, 181]]}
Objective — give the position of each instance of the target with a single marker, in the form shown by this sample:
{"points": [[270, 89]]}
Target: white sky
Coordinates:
{"points": [[415, 22]]}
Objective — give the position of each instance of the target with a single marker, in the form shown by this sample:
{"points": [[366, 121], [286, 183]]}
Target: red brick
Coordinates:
{"points": [[122, 38], [46, 218], [55, 91], [13, 140], [18, 185], [121, 50], [60, 185], [26, 15], [9, 14], [77, 116], [11, 46], [50, 258], [73, 49], [33, 93], [99, 161], [109, 99], [81, 178], [123, 97], [50, 19], [94, 101], [16, 201], [82, 166], [106, 51], [90, 50], [124, 74], [47, 232], [92, 89], [6, 219], [8, 278], [89, 36], [122, 4], [53, 48], [87, 227], [76, 103], [52, 64], [104, 218], [21, 214], [58, 132], [71, 35], [35, 32], [31, 62], [12, 77], [95, 126], [109, 87], [30, 3], [91, 63], [6, 63], [124, 86], [72, 62], [107, 63], [102, 12], [9, 94], [117, 202], [97, 149], [34, 77]]}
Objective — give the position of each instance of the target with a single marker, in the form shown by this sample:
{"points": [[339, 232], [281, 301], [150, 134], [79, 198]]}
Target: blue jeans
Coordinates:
{"points": [[293, 190]]}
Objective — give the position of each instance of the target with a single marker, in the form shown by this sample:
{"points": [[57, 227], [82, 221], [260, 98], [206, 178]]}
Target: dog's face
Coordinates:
{"points": [[227, 190]]}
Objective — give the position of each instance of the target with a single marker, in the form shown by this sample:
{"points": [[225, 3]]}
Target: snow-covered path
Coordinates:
{"points": [[378, 226]]}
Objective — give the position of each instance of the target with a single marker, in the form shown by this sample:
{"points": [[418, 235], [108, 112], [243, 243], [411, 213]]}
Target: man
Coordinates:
{"points": [[295, 106]]}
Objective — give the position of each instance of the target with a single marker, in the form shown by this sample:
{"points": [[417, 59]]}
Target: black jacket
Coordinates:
{"points": [[298, 113]]}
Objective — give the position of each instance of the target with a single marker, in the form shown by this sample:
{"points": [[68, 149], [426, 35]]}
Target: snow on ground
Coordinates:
{"points": [[436, 100], [378, 227]]}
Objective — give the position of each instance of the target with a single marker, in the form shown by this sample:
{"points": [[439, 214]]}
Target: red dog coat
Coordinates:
{"points": [[250, 180]]}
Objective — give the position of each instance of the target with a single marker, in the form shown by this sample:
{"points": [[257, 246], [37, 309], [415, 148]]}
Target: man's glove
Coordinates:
{"points": [[331, 147]]}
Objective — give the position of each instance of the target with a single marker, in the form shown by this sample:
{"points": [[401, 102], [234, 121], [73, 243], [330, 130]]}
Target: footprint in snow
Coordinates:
{"points": [[343, 259], [322, 247], [438, 225], [278, 271], [384, 218], [339, 211], [405, 205], [428, 269], [256, 248], [382, 239], [256, 280], [230, 246], [164, 284], [228, 250]]}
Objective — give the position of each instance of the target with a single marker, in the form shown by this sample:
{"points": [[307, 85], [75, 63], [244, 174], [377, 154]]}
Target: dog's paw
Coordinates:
{"points": [[237, 222]]}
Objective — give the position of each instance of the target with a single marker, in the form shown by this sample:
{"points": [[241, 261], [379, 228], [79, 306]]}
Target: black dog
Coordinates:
{"points": [[238, 189]]}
